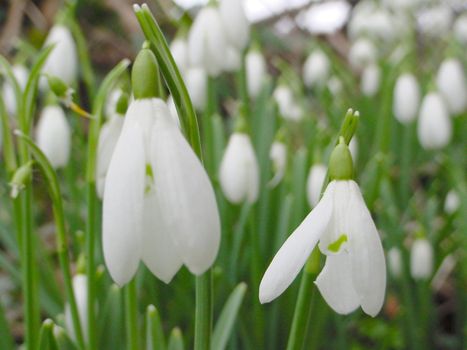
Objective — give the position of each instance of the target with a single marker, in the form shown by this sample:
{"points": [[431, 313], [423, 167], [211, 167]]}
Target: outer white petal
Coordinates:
{"points": [[158, 249], [371, 78], [460, 29], [316, 69], [179, 50], [233, 60], [406, 98], [123, 204], [278, 156], [173, 110], [80, 284], [452, 85], [315, 183], [196, 80], [362, 53], [236, 25], [452, 202], [53, 135], [366, 254], [187, 199], [395, 261], [421, 259], [256, 71], [293, 254], [335, 284]]}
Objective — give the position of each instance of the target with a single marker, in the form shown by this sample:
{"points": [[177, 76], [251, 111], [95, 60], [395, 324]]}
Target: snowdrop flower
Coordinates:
{"points": [[315, 182], [434, 125], [256, 71], [421, 259], [159, 205], [179, 50], [206, 41], [236, 25], [278, 156], [53, 135], [196, 81], [355, 271], [460, 29], [63, 60], [239, 170], [406, 98], [288, 108], [80, 290], [9, 98], [233, 60], [316, 69], [452, 202], [435, 21], [395, 261], [452, 85], [371, 78], [362, 53]]}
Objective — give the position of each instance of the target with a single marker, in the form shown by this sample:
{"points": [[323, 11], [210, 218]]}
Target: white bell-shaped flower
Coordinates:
{"points": [[63, 60], [362, 53], [452, 202], [196, 81], [316, 69], [395, 261], [435, 21], [460, 29], [179, 50], [315, 182], [233, 60], [207, 44], [239, 170], [278, 156], [21, 74], [355, 270], [434, 124], [53, 135], [256, 71], [80, 290], [406, 98], [236, 24], [452, 85], [421, 259], [288, 108], [371, 79]]}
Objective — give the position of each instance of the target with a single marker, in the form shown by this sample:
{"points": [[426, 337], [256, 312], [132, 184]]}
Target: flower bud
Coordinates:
{"points": [[196, 80], [21, 178], [239, 170], [362, 53], [60, 89], [315, 183], [395, 261], [316, 69], [256, 71], [340, 162], [145, 75], [53, 135], [452, 202], [9, 98], [236, 25], [406, 98], [434, 125], [421, 259], [62, 61], [371, 78], [452, 85], [179, 50]]}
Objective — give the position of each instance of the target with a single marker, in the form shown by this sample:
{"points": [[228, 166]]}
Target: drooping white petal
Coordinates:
{"points": [[173, 110], [236, 25], [335, 284], [371, 78], [288, 107], [362, 53], [315, 183], [179, 50], [406, 98], [395, 261], [185, 194], [460, 28], [293, 254], [452, 202], [366, 254], [435, 21], [158, 249], [278, 156], [123, 204], [421, 259], [316, 69], [80, 285], [53, 136], [233, 60], [256, 71], [452, 85], [196, 80]]}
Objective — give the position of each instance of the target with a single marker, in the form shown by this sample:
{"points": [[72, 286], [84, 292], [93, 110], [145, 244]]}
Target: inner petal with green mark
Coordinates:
{"points": [[149, 179], [336, 245]]}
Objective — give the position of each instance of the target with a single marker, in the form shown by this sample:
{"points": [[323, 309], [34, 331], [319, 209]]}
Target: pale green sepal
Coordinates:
{"points": [[145, 75], [340, 163]]}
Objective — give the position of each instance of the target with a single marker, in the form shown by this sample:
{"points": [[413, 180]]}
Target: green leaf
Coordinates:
{"points": [[226, 321], [154, 334], [5, 333]]}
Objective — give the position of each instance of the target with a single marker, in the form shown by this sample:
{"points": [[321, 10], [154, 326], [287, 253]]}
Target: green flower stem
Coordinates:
{"points": [[131, 316], [92, 200], [59, 218], [203, 312]]}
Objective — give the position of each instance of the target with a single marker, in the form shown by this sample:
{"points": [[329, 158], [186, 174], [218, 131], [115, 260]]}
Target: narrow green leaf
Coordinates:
{"points": [[5, 333]]}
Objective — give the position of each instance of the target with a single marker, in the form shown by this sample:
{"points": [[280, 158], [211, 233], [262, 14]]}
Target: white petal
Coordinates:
{"points": [[293, 254], [123, 205], [367, 255], [81, 295], [236, 25], [421, 259], [335, 284], [158, 250], [316, 69], [256, 71], [186, 196], [315, 182]]}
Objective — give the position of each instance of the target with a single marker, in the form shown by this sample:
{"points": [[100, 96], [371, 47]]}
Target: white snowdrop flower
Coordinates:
{"points": [[460, 29], [285, 100], [239, 170], [63, 60], [53, 135], [256, 71], [179, 50], [21, 74], [111, 103], [236, 25], [435, 21], [355, 270], [159, 205], [80, 285], [421, 259], [362, 53], [353, 147], [452, 85], [173, 110], [434, 127], [207, 44], [196, 81], [452, 202], [108, 137], [278, 156], [374, 22], [371, 79], [315, 182], [395, 261], [360, 14], [233, 60], [406, 98], [316, 69]]}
